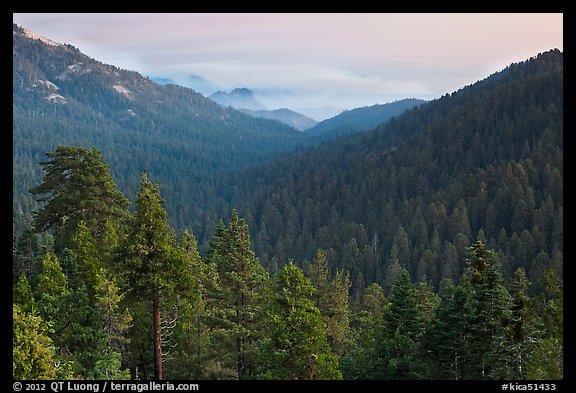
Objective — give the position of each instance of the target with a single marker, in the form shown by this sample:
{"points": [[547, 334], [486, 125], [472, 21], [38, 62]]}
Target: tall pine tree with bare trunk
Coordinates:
{"points": [[151, 262]]}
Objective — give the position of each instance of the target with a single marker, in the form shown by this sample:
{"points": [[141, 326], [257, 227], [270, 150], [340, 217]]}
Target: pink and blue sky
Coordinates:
{"points": [[318, 64]]}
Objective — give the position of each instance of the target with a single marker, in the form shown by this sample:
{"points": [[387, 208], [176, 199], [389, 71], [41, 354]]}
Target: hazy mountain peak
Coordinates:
{"points": [[242, 92], [67, 97], [240, 98], [284, 115]]}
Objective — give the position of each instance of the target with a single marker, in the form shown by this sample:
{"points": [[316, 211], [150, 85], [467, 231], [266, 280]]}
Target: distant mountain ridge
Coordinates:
{"points": [[361, 119], [484, 162], [284, 115], [245, 101], [241, 98], [61, 96]]}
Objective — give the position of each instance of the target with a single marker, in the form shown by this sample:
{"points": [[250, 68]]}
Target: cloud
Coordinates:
{"points": [[324, 56]]}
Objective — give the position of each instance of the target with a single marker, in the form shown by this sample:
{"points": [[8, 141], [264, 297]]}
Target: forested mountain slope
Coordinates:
{"points": [[361, 119], [63, 97], [420, 233], [284, 115], [485, 162]]}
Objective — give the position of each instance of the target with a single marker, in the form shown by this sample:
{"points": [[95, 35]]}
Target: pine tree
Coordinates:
{"points": [[490, 316], [393, 271], [398, 350], [77, 186], [447, 336], [109, 368], [51, 288], [331, 298], [85, 250], [150, 261], [22, 295], [115, 316], [522, 330], [32, 350], [61, 308], [296, 346], [25, 255], [365, 323], [238, 296], [428, 302], [546, 362], [403, 248], [339, 316], [97, 321], [189, 336], [320, 276]]}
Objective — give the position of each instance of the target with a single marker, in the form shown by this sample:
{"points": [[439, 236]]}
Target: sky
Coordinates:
{"points": [[319, 63]]}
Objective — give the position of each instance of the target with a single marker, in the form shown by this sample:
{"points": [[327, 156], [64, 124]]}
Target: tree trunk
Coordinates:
{"points": [[157, 340]]}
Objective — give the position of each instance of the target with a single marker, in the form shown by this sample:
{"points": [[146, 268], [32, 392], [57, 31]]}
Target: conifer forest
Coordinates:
{"points": [[429, 247]]}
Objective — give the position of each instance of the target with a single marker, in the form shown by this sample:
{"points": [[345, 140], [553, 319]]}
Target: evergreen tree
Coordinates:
{"points": [[97, 321], [546, 362], [77, 325], [22, 295], [393, 271], [60, 308], [401, 248], [115, 316], [84, 249], [374, 301], [398, 350], [109, 368], [77, 186], [32, 350], [448, 333], [365, 323], [296, 346], [25, 255], [428, 302], [522, 328], [320, 277], [189, 334], [339, 316], [150, 261], [238, 296], [52, 288], [490, 316], [331, 298]]}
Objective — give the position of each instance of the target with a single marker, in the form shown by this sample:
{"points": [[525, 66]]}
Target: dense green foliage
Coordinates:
{"points": [[485, 162], [297, 347], [149, 306], [150, 262], [238, 296], [78, 180], [430, 247], [131, 306], [175, 133], [33, 353]]}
